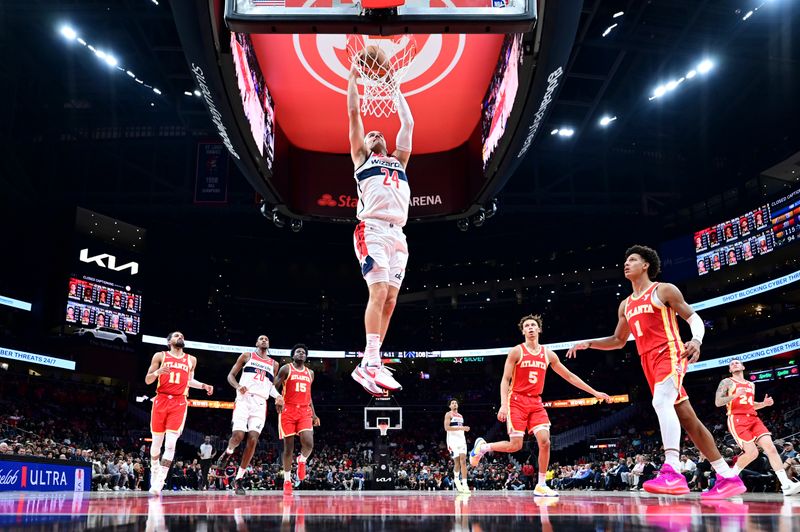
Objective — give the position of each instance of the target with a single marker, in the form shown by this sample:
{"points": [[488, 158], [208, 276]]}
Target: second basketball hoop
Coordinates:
{"points": [[381, 63]]}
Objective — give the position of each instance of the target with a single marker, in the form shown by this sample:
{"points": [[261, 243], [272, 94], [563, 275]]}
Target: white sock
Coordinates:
{"points": [[457, 476], [372, 353], [542, 481], [785, 482], [672, 458], [287, 476], [485, 448], [229, 451], [722, 469], [664, 396], [736, 470], [239, 473]]}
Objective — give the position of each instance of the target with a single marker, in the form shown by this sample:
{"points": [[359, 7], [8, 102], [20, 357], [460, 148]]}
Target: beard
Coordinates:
{"points": [[179, 343]]}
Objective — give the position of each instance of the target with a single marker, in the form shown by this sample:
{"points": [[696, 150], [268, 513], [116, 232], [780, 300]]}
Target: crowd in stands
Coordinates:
{"points": [[91, 422]]}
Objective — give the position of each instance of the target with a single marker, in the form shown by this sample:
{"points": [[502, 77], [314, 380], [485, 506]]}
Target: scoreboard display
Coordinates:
{"points": [[97, 303], [749, 235]]}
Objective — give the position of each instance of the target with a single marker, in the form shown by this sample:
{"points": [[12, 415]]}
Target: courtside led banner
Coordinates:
{"points": [[202, 403], [584, 401], [40, 474]]}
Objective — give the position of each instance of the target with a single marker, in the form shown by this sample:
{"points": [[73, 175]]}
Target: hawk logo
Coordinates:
{"points": [[111, 264], [326, 58]]}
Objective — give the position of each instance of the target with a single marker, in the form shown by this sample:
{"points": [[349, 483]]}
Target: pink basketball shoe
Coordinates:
{"points": [[668, 482], [724, 488]]}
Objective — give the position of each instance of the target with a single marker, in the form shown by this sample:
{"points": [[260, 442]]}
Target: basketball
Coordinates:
{"points": [[373, 60]]}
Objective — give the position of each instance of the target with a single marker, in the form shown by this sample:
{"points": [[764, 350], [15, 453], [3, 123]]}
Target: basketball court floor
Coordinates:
{"points": [[397, 510]]}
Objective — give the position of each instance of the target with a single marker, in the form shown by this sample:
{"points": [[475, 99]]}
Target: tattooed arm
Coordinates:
{"points": [[722, 398]]}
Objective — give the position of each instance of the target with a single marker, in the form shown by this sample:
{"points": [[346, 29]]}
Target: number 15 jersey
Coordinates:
{"points": [[383, 191], [297, 388]]}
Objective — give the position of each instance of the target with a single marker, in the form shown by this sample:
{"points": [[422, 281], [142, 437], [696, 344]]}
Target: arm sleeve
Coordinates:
{"points": [[697, 326]]}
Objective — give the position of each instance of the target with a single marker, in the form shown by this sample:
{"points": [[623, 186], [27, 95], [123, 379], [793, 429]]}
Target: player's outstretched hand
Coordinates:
{"points": [[768, 400], [465, 428], [502, 414], [573, 351], [600, 396], [209, 389], [692, 351]]}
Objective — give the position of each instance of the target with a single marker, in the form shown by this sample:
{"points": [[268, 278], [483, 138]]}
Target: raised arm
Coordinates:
{"points": [[722, 397], [615, 341], [768, 401], [237, 367], [508, 371], [573, 379], [403, 142], [673, 298], [358, 151], [155, 369]]}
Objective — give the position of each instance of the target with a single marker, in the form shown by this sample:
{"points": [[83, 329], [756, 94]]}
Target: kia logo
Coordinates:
{"points": [[111, 264]]}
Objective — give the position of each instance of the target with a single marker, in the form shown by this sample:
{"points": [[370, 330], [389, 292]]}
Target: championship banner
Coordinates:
{"points": [[584, 401], [202, 403], [41, 474], [211, 182]]}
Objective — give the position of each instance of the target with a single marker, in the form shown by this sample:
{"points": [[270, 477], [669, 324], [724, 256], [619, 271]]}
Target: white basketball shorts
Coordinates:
{"points": [[457, 446], [382, 252], [249, 413]]}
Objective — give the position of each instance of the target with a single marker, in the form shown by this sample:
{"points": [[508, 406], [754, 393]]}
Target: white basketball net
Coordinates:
{"points": [[381, 83]]}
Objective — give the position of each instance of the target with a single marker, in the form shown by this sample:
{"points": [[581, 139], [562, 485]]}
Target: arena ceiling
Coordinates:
{"points": [[713, 135]]}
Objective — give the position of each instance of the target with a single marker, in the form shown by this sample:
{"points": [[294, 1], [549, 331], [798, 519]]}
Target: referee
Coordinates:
{"points": [[206, 454]]}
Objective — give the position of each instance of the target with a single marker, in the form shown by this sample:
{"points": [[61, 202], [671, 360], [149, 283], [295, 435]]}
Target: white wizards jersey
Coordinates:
{"points": [[456, 420], [383, 192], [257, 375]]}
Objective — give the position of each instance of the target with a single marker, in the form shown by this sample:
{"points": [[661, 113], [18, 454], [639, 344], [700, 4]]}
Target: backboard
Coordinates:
{"points": [[383, 410], [411, 16]]}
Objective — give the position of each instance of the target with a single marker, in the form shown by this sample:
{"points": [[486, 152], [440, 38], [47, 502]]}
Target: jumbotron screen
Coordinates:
{"points": [[499, 99], [94, 303], [256, 100], [749, 235]]}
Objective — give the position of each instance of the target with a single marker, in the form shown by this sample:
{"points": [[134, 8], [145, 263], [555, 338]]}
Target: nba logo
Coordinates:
{"points": [[79, 479]]}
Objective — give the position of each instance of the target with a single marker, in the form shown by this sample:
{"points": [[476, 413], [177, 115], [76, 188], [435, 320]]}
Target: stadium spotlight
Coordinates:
{"points": [[606, 120], [296, 225], [704, 66], [463, 224], [479, 218], [69, 33], [566, 132]]}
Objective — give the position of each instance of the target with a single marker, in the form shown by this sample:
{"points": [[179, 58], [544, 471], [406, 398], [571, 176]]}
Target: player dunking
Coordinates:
{"points": [[254, 387], [174, 371], [521, 399], [296, 416], [457, 445], [381, 249], [650, 312], [738, 396]]}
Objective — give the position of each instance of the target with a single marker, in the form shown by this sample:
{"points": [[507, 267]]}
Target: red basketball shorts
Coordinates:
{"points": [[294, 419], [526, 414], [746, 429], [661, 365], [168, 413]]}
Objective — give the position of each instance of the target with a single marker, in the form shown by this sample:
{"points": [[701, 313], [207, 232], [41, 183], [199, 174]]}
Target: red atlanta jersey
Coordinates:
{"points": [[297, 388], [742, 406], [654, 326], [176, 382], [528, 376]]}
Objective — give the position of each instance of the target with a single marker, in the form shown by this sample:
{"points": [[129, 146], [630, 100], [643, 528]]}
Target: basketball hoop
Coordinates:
{"points": [[381, 63], [384, 428]]}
